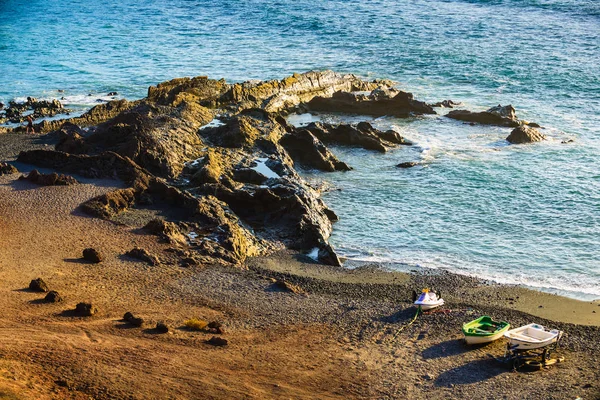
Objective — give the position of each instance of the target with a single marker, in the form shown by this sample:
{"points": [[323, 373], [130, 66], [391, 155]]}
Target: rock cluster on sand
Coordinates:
{"points": [[7, 169], [51, 179]]}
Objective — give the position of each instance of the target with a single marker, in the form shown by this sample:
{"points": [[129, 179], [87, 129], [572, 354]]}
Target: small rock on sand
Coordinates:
{"points": [[85, 309], [217, 341], [162, 327], [92, 255], [38, 285], [53, 297]]}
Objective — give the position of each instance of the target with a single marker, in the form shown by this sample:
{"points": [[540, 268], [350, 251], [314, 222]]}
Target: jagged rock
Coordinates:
{"points": [[205, 91], [408, 164], [53, 297], [112, 94], [38, 285], [70, 139], [307, 150], [18, 112], [52, 179], [7, 169], [282, 95], [168, 231], [143, 255], [158, 138], [446, 104], [289, 287], [161, 327], [327, 255], [85, 309], [95, 116], [92, 255], [110, 204], [217, 341], [499, 115], [249, 175], [331, 215], [402, 105], [525, 134], [362, 135]]}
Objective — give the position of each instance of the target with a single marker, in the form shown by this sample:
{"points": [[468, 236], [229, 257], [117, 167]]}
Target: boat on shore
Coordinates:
{"points": [[532, 336], [428, 300], [484, 330]]}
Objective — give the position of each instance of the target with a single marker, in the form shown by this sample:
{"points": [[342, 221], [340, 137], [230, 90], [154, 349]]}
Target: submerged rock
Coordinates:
{"points": [[402, 105], [408, 164], [498, 115], [362, 135], [525, 134]]}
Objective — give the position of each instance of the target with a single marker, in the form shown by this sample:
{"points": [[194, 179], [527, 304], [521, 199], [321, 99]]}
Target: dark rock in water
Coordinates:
{"points": [[327, 255], [143, 255], [446, 104], [85, 309], [525, 134], [38, 285], [53, 297], [533, 124], [1, 106], [282, 95], [112, 94], [567, 141], [7, 169], [161, 327], [408, 164], [499, 115], [249, 175], [331, 215], [362, 135], [217, 341], [402, 105], [307, 150], [92, 255], [52, 179]]}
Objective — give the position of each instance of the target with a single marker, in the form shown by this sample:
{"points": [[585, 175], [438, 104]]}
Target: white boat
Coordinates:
{"points": [[532, 336], [428, 300]]}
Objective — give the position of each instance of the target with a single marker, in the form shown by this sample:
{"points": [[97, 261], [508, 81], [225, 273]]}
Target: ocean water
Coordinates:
{"points": [[517, 214]]}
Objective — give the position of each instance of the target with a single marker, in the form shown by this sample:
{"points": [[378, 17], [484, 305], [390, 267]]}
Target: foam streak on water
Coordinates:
{"points": [[524, 214]]}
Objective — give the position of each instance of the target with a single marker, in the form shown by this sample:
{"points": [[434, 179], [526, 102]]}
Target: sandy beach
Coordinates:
{"points": [[343, 337]]}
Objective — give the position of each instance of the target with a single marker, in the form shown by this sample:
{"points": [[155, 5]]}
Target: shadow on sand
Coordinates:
{"points": [[448, 348], [472, 372]]}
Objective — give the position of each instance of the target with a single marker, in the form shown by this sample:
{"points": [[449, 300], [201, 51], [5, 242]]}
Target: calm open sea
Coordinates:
{"points": [[517, 214]]}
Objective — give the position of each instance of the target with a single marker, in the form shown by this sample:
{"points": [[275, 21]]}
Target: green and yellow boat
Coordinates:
{"points": [[484, 330]]}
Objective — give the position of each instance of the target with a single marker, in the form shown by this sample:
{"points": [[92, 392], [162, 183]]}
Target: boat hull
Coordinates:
{"points": [[429, 305], [532, 336], [483, 339]]}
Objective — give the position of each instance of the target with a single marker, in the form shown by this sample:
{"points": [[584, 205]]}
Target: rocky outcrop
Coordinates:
{"points": [[308, 151], [362, 135], [286, 94], [499, 115], [525, 134], [17, 112], [402, 104], [231, 185], [446, 104], [408, 164]]}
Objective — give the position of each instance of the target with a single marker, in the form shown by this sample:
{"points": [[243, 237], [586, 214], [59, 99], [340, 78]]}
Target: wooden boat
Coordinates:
{"points": [[428, 300], [484, 330], [532, 336]]}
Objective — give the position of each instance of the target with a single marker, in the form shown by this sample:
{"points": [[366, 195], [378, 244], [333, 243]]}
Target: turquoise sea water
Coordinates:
{"points": [[517, 214]]}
